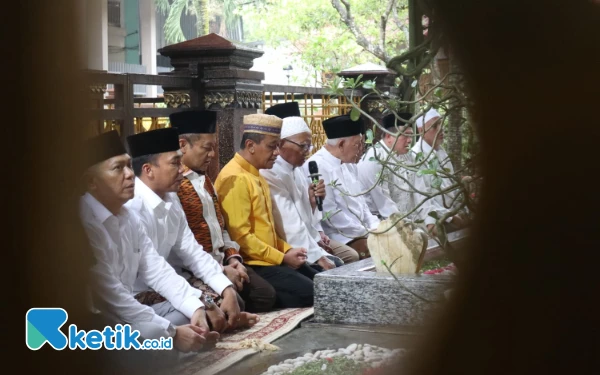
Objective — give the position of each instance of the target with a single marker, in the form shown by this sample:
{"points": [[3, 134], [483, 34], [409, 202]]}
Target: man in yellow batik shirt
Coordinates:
{"points": [[246, 205]]}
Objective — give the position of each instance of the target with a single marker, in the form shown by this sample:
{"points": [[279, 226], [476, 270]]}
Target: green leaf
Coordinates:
{"points": [[371, 158], [354, 114], [434, 215], [436, 183], [414, 84], [369, 135], [419, 221], [368, 85]]}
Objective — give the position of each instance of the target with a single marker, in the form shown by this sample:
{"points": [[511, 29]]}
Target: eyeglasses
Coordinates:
{"points": [[305, 147]]}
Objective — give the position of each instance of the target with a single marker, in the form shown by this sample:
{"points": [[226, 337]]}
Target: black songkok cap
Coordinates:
{"points": [[153, 142], [284, 110], [390, 120], [103, 147], [194, 122], [342, 126]]}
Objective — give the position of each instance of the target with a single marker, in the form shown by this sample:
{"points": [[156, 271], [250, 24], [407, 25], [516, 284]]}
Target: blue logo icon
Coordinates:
{"points": [[43, 325]]}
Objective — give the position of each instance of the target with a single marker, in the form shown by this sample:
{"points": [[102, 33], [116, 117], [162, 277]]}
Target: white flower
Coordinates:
{"points": [[324, 367]]}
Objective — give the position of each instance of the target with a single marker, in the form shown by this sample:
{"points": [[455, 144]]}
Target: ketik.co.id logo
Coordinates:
{"points": [[42, 325]]}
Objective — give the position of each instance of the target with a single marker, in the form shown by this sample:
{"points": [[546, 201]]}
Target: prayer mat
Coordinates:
{"points": [[231, 347]]}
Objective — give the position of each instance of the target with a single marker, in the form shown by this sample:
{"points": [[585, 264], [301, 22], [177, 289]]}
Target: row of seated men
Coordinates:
{"points": [[178, 256]]}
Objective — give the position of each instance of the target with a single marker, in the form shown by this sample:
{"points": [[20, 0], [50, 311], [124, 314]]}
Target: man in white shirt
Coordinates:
{"points": [[297, 219], [157, 164], [347, 217], [124, 252], [391, 187], [429, 154], [199, 200]]}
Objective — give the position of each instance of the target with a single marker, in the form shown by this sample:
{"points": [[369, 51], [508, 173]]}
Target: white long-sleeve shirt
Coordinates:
{"points": [[349, 217], [123, 253], [167, 227], [440, 203], [392, 194], [295, 221]]}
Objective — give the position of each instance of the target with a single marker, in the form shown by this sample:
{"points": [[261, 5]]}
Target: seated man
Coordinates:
{"points": [[294, 206], [246, 205], [201, 205], [123, 252], [157, 165], [391, 187], [348, 218], [429, 150]]}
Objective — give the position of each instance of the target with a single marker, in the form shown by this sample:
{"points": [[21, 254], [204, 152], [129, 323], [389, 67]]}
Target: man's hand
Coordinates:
{"points": [[235, 277], [216, 318], [325, 247], [199, 320], [459, 221], [316, 191], [189, 338], [326, 263], [230, 307], [236, 264], [295, 257], [324, 238]]}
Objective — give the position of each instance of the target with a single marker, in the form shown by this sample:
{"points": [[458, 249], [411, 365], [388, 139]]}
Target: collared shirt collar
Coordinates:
{"points": [[329, 157], [98, 210], [385, 147], [425, 147], [245, 165], [284, 164], [189, 171], [149, 196]]}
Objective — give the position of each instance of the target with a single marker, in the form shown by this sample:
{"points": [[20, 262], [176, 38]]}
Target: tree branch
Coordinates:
{"points": [[343, 8], [384, 19]]}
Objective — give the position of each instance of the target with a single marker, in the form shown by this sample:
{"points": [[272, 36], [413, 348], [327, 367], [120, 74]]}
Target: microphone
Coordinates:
{"points": [[314, 176]]}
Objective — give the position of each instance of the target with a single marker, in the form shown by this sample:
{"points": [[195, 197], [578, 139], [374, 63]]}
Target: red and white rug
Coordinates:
{"points": [[272, 326]]}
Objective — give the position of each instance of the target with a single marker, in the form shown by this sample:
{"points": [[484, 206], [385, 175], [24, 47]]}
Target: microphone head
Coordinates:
{"points": [[312, 167]]}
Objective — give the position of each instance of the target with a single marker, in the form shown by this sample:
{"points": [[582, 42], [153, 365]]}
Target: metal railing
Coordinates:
{"points": [[131, 115], [126, 113], [120, 67]]}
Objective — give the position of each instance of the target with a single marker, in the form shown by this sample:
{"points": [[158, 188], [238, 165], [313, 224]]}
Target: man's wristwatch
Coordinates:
{"points": [[208, 301], [171, 330]]}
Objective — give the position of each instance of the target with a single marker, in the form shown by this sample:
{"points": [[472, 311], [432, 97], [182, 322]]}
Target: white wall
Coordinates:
{"points": [[97, 34]]}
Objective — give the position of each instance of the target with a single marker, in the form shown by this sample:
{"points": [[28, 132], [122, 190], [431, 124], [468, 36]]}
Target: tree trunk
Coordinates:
{"points": [[452, 133], [202, 17]]}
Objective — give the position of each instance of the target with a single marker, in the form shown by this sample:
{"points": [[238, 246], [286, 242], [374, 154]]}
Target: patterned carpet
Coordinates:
{"points": [[272, 326]]}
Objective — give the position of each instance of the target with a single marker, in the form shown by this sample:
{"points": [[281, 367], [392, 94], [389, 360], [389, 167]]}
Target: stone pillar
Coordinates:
{"points": [[384, 82], [224, 83], [97, 34], [148, 41]]}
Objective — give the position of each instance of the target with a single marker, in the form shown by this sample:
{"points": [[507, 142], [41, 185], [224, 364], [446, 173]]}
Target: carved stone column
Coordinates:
{"points": [[223, 82]]}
